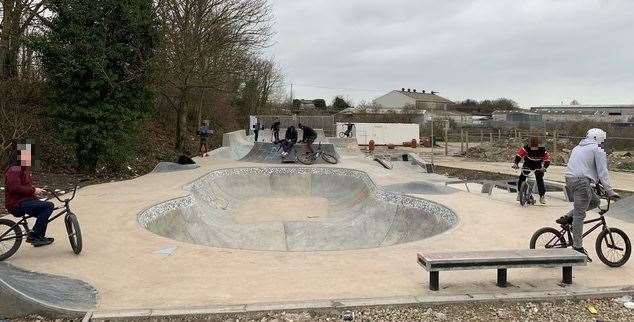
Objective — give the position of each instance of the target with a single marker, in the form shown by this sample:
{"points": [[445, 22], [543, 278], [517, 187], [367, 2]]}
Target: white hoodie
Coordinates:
{"points": [[589, 160]]}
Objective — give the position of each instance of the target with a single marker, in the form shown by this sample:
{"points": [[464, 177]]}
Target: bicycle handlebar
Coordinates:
{"points": [[57, 196]]}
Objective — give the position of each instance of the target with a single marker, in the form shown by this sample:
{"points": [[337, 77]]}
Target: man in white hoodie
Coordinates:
{"points": [[587, 165]]}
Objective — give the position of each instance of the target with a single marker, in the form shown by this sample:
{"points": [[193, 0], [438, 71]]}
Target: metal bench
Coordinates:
{"points": [[502, 261]]}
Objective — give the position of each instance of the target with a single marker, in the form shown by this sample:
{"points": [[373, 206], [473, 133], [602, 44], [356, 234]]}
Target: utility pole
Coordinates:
{"points": [[291, 96]]}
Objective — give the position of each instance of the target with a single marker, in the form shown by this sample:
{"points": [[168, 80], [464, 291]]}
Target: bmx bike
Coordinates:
{"points": [[613, 246], [309, 158], [12, 233], [525, 190]]}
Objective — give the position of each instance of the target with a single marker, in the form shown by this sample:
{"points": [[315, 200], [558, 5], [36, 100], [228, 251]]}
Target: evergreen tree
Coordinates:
{"points": [[96, 58]]}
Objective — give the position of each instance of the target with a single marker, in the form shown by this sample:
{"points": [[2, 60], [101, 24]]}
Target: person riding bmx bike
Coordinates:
{"points": [[309, 136], [587, 166], [537, 159]]}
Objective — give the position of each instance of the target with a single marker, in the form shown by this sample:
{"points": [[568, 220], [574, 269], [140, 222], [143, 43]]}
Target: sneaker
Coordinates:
{"points": [[564, 220], [583, 251], [42, 241], [542, 200]]}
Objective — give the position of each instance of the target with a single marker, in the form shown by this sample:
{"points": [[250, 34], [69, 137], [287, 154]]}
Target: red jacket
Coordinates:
{"points": [[18, 186]]}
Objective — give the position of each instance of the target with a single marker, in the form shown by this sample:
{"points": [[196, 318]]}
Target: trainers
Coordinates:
{"points": [[42, 241], [542, 200], [564, 220], [583, 251]]}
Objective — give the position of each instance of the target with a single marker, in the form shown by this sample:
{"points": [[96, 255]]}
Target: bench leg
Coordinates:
{"points": [[433, 281], [502, 277], [567, 272]]}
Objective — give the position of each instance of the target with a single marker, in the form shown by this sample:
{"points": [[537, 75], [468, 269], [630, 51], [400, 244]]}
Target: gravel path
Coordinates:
{"points": [[579, 310]]}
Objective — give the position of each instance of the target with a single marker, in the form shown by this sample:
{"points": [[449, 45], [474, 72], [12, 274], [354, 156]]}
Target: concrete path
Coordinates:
{"points": [[623, 181]]}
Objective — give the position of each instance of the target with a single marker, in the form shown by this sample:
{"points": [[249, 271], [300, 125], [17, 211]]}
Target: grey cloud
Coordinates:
{"points": [[536, 52]]}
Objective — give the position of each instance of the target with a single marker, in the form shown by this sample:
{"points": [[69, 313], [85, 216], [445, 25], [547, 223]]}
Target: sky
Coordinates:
{"points": [[535, 52]]}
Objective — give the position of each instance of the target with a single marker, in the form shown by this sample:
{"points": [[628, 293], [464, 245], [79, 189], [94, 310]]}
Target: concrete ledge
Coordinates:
{"points": [[429, 300]]}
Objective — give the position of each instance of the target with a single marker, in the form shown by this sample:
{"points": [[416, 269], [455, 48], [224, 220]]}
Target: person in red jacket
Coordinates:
{"points": [[21, 196], [536, 158]]}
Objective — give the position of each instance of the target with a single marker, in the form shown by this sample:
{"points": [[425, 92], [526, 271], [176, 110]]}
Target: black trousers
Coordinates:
{"points": [[539, 178], [256, 134], [276, 135]]}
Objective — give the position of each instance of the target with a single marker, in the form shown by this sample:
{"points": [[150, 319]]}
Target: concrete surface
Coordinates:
{"points": [[131, 270], [346, 211], [173, 167]]}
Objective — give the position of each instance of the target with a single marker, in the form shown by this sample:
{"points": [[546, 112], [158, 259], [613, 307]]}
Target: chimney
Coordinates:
{"points": [[403, 89], [409, 90], [423, 91], [414, 90]]}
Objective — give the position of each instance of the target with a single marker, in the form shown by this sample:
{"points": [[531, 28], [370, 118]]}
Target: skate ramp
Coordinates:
{"points": [[23, 293], [294, 209], [623, 209], [164, 167], [271, 153]]}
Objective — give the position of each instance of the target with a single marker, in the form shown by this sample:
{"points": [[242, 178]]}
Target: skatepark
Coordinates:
{"points": [[245, 232]]}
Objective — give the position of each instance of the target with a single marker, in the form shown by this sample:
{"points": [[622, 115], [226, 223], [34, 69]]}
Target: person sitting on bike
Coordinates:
{"points": [[349, 127], [290, 139], [21, 196], [537, 159], [587, 165], [308, 137]]}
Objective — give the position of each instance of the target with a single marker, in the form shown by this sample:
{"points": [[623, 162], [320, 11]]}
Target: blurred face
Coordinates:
{"points": [[534, 144], [24, 157]]}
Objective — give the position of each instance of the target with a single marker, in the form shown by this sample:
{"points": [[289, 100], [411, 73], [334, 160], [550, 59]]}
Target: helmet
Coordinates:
{"points": [[597, 134]]}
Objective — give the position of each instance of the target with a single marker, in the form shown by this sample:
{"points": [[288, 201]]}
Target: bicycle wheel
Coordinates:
{"points": [[342, 134], [524, 194], [307, 158], [613, 247], [11, 238], [329, 158], [548, 237], [74, 232]]}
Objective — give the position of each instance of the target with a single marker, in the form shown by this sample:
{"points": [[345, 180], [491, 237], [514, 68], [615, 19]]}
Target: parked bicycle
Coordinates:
{"points": [[525, 190], [613, 246], [308, 157], [12, 233]]}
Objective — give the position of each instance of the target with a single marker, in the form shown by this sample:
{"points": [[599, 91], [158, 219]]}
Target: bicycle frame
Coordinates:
{"points": [[566, 231], [24, 223]]}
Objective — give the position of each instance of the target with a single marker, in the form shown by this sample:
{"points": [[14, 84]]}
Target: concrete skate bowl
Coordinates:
{"points": [[295, 209]]}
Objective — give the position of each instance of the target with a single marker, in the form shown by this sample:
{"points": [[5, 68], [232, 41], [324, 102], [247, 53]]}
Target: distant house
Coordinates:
{"points": [[399, 100], [517, 118], [304, 104]]}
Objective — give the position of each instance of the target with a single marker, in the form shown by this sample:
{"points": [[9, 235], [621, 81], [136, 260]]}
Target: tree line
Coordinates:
{"points": [[92, 71]]}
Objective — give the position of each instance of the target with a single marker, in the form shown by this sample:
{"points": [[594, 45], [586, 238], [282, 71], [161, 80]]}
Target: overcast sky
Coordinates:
{"points": [[535, 52]]}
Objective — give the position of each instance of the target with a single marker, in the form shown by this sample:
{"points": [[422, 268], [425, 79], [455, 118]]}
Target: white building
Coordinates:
{"points": [[399, 100], [604, 113]]}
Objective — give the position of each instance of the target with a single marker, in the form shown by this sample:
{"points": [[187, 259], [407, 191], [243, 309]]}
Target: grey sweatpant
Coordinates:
{"points": [[584, 199]]}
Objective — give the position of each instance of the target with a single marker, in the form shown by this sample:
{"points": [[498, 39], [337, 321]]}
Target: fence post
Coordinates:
{"points": [[499, 134], [481, 136], [491, 137], [467, 139], [461, 141], [555, 148], [446, 142]]}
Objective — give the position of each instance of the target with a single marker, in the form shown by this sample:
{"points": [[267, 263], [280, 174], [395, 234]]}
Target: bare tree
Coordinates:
{"points": [[205, 44], [18, 18]]}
